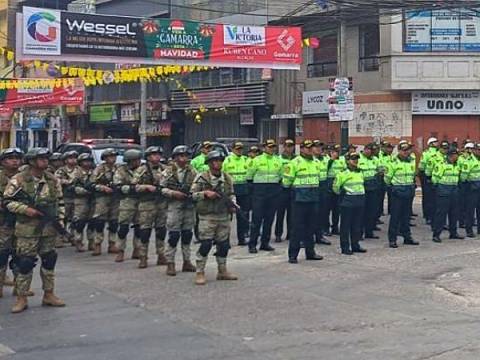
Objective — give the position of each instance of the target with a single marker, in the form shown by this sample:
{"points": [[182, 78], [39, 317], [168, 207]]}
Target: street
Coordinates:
{"points": [[410, 303]]}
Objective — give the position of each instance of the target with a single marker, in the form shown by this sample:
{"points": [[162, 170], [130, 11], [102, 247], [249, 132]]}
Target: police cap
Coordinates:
{"points": [[306, 144], [352, 156]]}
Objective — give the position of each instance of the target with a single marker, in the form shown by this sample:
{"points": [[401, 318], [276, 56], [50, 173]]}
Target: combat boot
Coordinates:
{"points": [[112, 248], [79, 247], [143, 262], [223, 274], [188, 266], [171, 269], [8, 282], [97, 250], [20, 305], [200, 278], [50, 299], [119, 258], [161, 260], [135, 255]]}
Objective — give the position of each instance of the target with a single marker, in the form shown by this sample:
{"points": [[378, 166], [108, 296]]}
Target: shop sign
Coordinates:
{"points": [[37, 119], [341, 105], [159, 128], [79, 36], [315, 102], [130, 112], [446, 102], [103, 113], [157, 110], [246, 116]]}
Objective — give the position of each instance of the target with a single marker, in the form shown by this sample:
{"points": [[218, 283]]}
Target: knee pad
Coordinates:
{"points": [[222, 248], [205, 247], [80, 225], [160, 233], [113, 226], [4, 254], [99, 225], [173, 237], [187, 236], [123, 231], [145, 235], [25, 264], [136, 230], [49, 260]]}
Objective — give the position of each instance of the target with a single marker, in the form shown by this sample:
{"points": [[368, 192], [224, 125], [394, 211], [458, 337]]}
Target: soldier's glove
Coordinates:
{"points": [[212, 195], [31, 212]]}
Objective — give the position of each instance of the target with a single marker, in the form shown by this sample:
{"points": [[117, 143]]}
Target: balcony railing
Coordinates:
{"points": [[322, 69], [370, 63]]}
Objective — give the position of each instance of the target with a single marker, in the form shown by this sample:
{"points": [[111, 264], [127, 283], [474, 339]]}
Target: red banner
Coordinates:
{"points": [[39, 97]]}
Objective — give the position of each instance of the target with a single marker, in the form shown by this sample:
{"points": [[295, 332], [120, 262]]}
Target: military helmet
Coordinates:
{"points": [[84, 157], [214, 155], [36, 152], [108, 152], [132, 154], [153, 150], [68, 154], [56, 156], [180, 149], [11, 152]]}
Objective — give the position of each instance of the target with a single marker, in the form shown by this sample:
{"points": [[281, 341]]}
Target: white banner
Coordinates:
{"points": [[446, 102], [315, 102], [41, 31]]}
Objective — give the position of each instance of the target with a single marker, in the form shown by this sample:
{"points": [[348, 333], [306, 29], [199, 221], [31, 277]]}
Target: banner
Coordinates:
{"points": [[72, 94], [340, 100], [103, 113], [156, 41]]}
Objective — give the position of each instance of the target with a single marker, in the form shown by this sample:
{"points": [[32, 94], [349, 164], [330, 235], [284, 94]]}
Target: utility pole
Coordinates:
{"points": [[142, 131], [342, 69]]}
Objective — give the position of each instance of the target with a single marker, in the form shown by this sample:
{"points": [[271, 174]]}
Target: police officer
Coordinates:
{"points": [[368, 164], [152, 206], [83, 201], [400, 179], [284, 203], [349, 185], [124, 183], [198, 163], [464, 158], [235, 165], [302, 175], [265, 173], [425, 178], [384, 159], [176, 183], [322, 223], [24, 192], [336, 164], [106, 202], [213, 194], [470, 176], [445, 178], [10, 161]]}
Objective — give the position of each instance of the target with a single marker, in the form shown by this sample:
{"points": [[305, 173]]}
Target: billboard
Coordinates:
{"points": [[41, 31], [133, 40]]}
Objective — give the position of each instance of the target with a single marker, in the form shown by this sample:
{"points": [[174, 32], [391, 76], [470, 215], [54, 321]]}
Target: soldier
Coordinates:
{"points": [[106, 202], [66, 175], [236, 166], [214, 199], [124, 184], [284, 203], [198, 163], [10, 160], [152, 206], [26, 192], [55, 162], [176, 182], [83, 201]]}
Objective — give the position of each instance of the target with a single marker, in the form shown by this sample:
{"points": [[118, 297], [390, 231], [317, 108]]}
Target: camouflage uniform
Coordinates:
{"points": [[180, 218], [106, 205], [66, 175], [34, 237], [152, 208], [123, 181], [214, 217], [84, 202]]}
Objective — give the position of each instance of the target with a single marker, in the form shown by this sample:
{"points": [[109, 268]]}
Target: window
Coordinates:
{"points": [[323, 60], [369, 47], [226, 76]]}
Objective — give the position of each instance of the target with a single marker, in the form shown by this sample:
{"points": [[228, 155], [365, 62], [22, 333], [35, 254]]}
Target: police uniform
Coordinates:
{"points": [[333, 211], [198, 163], [322, 222], [369, 167], [470, 175]]}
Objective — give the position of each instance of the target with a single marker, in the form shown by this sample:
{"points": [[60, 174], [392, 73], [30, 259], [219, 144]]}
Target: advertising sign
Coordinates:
{"points": [[132, 40], [246, 116], [454, 102], [315, 102], [103, 113], [130, 112], [159, 128], [41, 33], [341, 104]]}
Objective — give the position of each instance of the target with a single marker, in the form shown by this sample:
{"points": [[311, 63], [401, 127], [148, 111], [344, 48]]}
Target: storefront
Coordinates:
{"points": [[315, 123], [37, 128]]}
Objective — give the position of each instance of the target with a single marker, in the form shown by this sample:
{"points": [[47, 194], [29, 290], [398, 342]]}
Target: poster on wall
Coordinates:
{"points": [[340, 99], [119, 39]]}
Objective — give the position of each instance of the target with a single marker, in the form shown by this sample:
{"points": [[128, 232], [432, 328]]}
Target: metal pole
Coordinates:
{"points": [[342, 71], [142, 131]]}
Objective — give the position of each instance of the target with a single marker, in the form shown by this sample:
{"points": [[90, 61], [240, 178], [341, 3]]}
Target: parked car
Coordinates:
{"points": [[247, 142], [96, 147]]}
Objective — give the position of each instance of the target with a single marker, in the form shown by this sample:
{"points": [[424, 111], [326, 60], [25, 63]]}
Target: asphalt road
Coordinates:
{"points": [[410, 303]]}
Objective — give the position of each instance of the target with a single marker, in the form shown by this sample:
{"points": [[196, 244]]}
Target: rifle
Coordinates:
{"points": [[47, 216]]}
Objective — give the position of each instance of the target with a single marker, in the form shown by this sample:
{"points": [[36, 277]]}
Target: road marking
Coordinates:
{"points": [[5, 350]]}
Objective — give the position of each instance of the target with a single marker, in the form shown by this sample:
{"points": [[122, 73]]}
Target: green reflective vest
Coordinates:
{"points": [[435, 158], [400, 172], [470, 172], [446, 176], [236, 167], [198, 163], [349, 184], [369, 168], [335, 166], [302, 174], [384, 160], [265, 169]]}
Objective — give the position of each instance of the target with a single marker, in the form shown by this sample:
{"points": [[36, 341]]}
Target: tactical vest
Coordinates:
{"points": [[217, 206]]}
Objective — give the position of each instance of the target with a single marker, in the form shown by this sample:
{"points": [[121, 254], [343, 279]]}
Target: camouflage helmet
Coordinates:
{"points": [[132, 154], [56, 156], [11, 152], [214, 155], [84, 157], [153, 150], [36, 152], [108, 152], [68, 154], [180, 149]]}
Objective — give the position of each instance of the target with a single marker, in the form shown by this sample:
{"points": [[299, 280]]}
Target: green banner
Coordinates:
{"points": [[103, 113]]}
